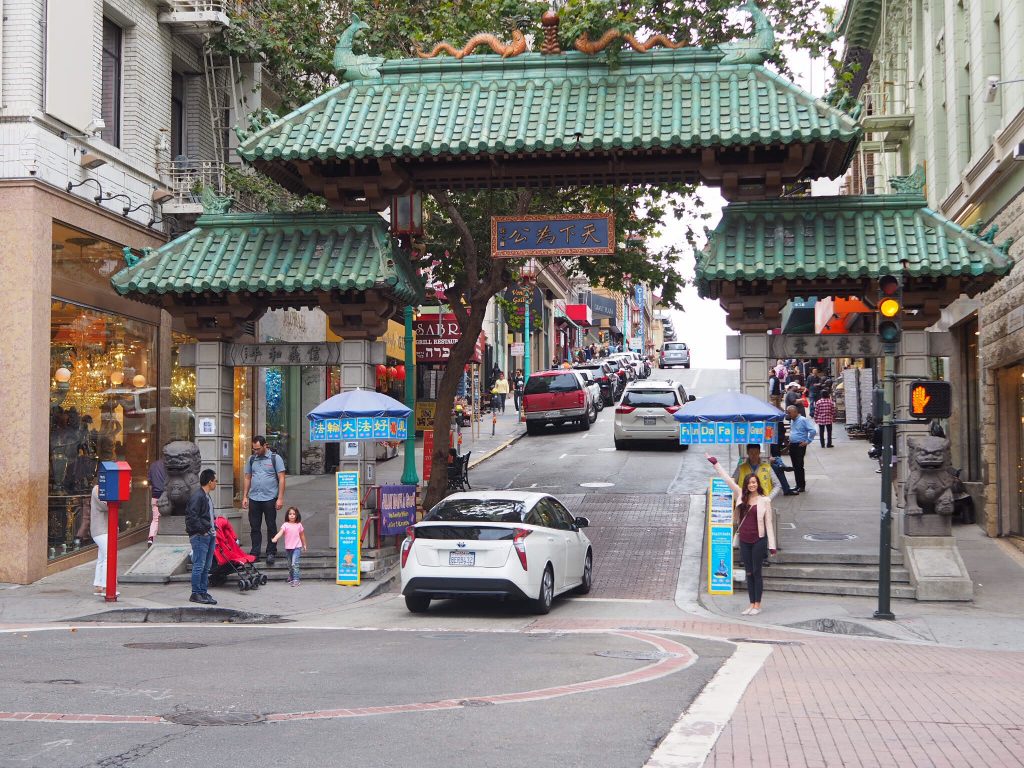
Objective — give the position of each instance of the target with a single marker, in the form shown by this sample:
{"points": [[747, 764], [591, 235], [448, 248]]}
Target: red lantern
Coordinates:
{"points": [[400, 372], [392, 373], [382, 372]]}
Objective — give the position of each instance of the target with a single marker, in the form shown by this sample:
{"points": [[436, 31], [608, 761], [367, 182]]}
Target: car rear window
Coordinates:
{"points": [[649, 398], [560, 382], [476, 510], [464, 532], [675, 346]]}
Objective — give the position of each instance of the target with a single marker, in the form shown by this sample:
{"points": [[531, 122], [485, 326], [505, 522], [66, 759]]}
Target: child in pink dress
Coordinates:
{"points": [[294, 542]]}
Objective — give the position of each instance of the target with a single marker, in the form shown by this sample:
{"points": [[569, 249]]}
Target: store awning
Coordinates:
{"points": [[580, 314]]}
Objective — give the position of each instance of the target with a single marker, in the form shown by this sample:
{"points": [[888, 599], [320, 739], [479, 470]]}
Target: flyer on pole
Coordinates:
{"points": [[720, 532]]}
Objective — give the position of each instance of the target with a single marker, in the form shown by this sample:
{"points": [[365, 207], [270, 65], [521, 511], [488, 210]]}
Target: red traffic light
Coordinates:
{"points": [[931, 399], [889, 285]]}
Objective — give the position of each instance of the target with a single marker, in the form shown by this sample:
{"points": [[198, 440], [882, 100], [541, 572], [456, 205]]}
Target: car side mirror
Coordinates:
{"points": [[582, 522], [691, 398]]}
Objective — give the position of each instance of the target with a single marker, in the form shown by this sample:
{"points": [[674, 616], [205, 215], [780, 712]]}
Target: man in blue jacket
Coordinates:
{"points": [[203, 536], [802, 432]]}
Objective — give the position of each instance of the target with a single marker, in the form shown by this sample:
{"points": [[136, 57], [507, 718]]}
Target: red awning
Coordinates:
{"points": [[579, 314]]}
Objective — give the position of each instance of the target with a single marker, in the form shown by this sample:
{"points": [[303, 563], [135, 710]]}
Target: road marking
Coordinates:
{"points": [[610, 600], [534, 485], [694, 735], [563, 456], [596, 485]]}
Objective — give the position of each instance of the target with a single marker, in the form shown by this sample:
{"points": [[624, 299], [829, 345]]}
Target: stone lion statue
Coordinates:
{"points": [[929, 488], [183, 463]]}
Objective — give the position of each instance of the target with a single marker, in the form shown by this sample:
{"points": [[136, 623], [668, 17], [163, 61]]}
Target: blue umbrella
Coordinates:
{"points": [[729, 406], [358, 402]]}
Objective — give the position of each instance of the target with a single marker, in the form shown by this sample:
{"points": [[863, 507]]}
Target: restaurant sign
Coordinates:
{"points": [[435, 337], [567, 234]]}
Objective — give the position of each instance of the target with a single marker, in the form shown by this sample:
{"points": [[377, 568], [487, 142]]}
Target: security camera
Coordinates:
{"points": [[95, 126], [991, 88]]}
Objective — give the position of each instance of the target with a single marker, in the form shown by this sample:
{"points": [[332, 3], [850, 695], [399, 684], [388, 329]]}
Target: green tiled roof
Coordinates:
{"points": [[486, 105], [274, 254], [859, 23], [842, 237]]}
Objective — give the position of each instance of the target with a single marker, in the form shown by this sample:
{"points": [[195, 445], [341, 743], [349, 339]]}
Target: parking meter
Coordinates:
{"points": [[115, 486]]}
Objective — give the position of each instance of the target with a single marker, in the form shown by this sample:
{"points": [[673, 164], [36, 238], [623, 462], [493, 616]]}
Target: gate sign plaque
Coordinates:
{"points": [[567, 234]]}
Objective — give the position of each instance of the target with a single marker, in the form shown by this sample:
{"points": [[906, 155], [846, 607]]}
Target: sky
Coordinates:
{"points": [[702, 324]]}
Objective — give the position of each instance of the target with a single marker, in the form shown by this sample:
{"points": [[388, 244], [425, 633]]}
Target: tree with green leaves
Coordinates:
{"points": [[294, 39]]}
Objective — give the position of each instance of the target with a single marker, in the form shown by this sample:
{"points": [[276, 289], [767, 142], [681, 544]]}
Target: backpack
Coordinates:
{"points": [[273, 463]]}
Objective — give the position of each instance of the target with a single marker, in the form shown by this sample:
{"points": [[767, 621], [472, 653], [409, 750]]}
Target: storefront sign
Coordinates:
{"points": [[786, 345], [397, 509], [362, 428], [347, 507], [206, 426], [425, 414], [720, 532], [323, 353], [580, 234], [726, 432], [518, 349], [435, 338], [604, 306]]}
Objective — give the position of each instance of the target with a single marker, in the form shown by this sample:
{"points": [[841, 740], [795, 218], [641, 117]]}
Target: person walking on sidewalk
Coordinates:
{"points": [[157, 480], [755, 526], [801, 434], [98, 523], [201, 532], [263, 495], [519, 383], [294, 542], [825, 416], [500, 391]]}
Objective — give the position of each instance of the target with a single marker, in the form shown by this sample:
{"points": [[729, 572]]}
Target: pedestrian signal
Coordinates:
{"points": [[890, 305], [931, 399]]}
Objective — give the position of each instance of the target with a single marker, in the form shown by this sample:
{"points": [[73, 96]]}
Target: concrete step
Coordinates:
{"points": [[858, 588], [315, 567], [834, 558], [839, 572]]}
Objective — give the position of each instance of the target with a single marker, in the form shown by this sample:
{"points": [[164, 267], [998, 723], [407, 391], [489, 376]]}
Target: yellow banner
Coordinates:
{"points": [[425, 414]]}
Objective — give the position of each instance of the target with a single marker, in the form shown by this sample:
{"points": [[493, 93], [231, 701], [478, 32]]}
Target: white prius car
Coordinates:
{"points": [[503, 544]]}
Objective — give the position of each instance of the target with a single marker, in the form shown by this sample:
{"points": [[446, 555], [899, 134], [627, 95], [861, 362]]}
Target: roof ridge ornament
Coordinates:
{"points": [[911, 184], [505, 50], [355, 66], [754, 49], [585, 45], [214, 203]]}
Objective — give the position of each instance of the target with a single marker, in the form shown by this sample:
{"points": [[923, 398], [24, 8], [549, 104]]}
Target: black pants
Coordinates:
{"points": [[822, 429], [796, 455], [258, 512], [753, 556], [518, 396], [500, 402]]}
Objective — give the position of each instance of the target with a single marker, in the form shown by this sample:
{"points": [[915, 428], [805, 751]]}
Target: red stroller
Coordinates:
{"points": [[229, 558]]}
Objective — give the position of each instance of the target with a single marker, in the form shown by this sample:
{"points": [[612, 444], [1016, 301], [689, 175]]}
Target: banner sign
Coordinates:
{"points": [[397, 509], [581, 234], [362, 428], [726, 432], [435, 337], [720, 533], [518, 295], [347, 508], [428, 453]]}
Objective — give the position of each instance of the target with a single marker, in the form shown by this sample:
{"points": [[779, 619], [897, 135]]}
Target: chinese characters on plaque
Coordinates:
{"points": [[558, 235]]}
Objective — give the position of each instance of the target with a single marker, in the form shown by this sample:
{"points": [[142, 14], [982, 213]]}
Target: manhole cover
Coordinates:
{"points": [[166, 646], [596, 485], [476, 703], [829, 536], [763, 642], [214, 718], [636, 655]]}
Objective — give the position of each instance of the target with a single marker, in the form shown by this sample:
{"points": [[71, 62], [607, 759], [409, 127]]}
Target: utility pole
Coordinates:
{"points": [[409, 475]]}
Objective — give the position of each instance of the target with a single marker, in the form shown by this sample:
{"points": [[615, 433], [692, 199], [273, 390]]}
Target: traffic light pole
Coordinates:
{"points": [[885, 526]]}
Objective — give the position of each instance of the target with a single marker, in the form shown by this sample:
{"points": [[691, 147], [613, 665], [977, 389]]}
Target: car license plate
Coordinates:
{"points": [[650, 421], [462, 558], [552, 415]]}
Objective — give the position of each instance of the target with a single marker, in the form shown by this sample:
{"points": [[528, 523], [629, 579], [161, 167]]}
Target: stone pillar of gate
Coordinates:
{"points": [[215, 408], [930, 551], [754, 364]]}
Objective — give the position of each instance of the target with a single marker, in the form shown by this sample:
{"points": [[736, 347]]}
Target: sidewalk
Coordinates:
{"points": [[843, 497]]}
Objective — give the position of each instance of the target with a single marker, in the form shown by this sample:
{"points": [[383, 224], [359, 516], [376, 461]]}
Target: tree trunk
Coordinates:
{"points": [[460, 354]]}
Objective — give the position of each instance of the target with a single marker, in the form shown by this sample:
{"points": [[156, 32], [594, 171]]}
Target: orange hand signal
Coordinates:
{"points": [[919, 399]]}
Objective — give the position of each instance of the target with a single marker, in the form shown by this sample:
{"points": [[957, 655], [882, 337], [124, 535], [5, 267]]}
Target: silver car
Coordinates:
{"points": [[674, 353], [646, 412]]}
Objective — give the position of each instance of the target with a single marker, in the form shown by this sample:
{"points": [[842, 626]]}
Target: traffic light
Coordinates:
{"points": [[890, 305], [931, 399]]}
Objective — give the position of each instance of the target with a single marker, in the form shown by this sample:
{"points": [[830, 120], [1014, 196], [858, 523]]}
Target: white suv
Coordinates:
{"points": [[646, 412]]}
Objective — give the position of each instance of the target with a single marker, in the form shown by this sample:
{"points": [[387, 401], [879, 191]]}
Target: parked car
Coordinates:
{"points": [[605, 374], [504, 544], [557, 397], [627, 361], [645, 412], [674, 353], [593, 386]]}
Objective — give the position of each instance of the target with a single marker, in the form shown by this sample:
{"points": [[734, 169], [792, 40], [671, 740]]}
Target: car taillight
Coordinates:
{"points": [[517, 542], [671, 408], [625, 409], [581, 397], [622, 373], [410, 537]]}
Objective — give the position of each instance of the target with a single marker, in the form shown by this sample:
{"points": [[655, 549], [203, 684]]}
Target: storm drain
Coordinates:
{"points": [[166, 646], [839, 627], [762, 641], [826, 536], [192, 717], [636, 655], [63, 681], [476, 703]]}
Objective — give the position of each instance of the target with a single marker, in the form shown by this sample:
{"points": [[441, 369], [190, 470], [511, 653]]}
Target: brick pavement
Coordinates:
{"points": [[638, 542]]}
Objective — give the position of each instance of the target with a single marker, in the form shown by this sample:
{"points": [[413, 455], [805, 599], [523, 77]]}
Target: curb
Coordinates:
{"points": [[499, 449]]}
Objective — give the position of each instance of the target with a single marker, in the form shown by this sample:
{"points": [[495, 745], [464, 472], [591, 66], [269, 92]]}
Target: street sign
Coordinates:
{"points": [[567, 234], [518, 348], [347, 509], [931, 399]]}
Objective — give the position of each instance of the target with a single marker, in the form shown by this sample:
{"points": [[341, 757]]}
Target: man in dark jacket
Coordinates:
{"points": [[203, 535]]}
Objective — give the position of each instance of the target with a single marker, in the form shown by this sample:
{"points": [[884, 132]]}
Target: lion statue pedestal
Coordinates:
{"points": [[930, 551]]}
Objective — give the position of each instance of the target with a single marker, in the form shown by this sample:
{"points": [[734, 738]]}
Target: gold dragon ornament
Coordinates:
{"points": [[585, 45], [505, 50]]}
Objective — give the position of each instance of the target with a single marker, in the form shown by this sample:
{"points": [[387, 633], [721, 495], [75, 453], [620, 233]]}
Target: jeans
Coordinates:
{"points": [[500, 405], [796, 455], [753, 556], [202, 560], [293, 556], [258, 511], [518, 397], [822, 429], [779, 468]]}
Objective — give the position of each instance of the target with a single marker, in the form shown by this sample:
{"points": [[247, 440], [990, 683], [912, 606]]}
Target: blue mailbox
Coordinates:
{"points": [[115, 481]]}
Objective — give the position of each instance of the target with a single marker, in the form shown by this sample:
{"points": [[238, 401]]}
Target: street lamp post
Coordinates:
{"points": [[406, 223], [528, 273]]}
